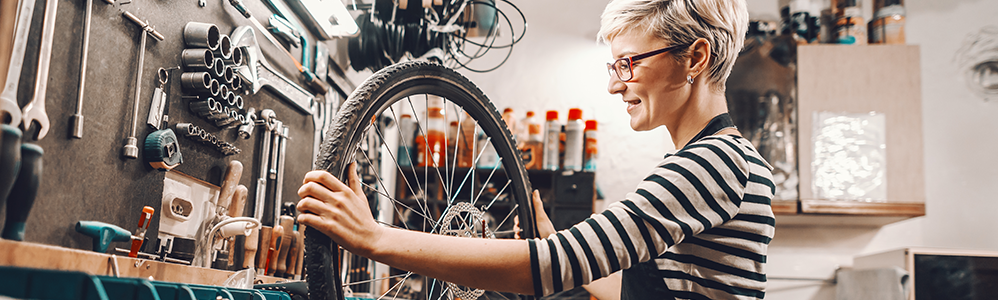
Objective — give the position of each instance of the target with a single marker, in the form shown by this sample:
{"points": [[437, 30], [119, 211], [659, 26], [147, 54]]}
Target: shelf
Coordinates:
{"points": [[40, 256]]}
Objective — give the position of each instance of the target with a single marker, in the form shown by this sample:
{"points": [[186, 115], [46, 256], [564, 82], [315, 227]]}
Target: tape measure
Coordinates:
{"points": [[162, 150]]}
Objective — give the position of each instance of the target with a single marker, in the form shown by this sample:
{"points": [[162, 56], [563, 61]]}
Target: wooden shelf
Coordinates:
{"points": [[40, 256]]}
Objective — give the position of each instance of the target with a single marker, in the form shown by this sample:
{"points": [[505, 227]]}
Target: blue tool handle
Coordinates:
{"points": [[103, 233], [22, 196], [10, 159]]}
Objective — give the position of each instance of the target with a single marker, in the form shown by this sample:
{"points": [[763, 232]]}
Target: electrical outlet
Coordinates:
{"points": [[186, 202]]}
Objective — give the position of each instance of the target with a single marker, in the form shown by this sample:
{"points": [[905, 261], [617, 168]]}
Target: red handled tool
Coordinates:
{"points": [[140, 233]]}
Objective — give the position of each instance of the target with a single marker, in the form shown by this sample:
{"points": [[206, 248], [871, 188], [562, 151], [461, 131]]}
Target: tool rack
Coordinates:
{"points": [[88, 178]]}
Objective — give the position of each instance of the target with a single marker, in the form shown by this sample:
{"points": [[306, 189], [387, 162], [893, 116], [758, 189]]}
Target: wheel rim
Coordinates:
{"points": [[433, 198]]}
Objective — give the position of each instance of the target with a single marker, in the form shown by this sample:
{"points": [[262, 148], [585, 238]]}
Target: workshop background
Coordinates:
{"points": [[558, 65]]}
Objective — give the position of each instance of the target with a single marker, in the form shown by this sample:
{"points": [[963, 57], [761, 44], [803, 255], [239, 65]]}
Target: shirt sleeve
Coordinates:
{"points": [[689, 192]]}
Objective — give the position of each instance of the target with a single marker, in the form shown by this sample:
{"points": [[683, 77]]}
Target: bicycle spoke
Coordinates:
{"points": [[397, 285], [425, 212], [399, 203], [497, 195], [377, 279], [408, 185], [484, 185], [511, 211]]}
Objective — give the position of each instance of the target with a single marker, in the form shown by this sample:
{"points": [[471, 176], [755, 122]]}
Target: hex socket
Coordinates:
{"points": [[231, 98], [201, 35], [228, 74], [197, 59], [199, 82], [238, 100], [237, 82], [224, 47], [187, 129], [218, 68], [223, 92], [236, 58]]}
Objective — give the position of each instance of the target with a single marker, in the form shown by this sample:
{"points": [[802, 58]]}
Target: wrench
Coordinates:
{"points": [[34, 112], [131, 149], [258, 73], [10, 112]]}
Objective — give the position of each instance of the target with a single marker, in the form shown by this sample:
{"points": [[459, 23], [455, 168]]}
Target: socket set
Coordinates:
{"points": [[209, 63], [196, 133]]}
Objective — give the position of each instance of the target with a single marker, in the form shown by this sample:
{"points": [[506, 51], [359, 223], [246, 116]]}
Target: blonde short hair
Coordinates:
{"points": [[722, 23]]}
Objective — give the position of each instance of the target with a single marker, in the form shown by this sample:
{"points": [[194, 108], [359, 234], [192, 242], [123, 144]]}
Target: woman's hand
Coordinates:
{"points": [[544, 225], [339, 211]]}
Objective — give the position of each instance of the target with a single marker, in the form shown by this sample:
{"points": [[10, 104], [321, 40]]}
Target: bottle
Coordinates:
{"points": [[452, 132], [850, 29], [432, 148], [511, 121], [408, 128], [804, 24], [489, 158], [552, 141], [523, 131], [574, 140], [466, 143], [887, 26], [589, 160], [532, 149]]}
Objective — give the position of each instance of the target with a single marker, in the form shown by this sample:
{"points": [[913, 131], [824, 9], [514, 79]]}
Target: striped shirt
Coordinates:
{"points": [[703, 216]]}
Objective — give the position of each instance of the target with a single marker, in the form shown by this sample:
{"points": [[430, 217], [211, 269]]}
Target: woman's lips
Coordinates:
{"points": [[631, 104]]}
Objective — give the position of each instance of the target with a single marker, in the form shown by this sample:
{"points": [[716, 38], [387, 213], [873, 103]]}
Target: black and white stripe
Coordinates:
{"points": [[703, 214]]}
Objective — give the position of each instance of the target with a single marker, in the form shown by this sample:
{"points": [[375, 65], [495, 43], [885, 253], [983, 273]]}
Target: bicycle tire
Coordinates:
{"points": [[371, 99]]}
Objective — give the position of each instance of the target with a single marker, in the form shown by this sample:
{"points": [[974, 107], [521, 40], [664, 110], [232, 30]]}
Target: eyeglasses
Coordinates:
{"points": [[623, 66]]}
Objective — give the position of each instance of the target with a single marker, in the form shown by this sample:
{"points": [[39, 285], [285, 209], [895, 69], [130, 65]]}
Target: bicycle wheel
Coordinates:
{"points": [[435, 188]]}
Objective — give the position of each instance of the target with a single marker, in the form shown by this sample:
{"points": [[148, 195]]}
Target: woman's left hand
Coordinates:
{"points": [[339, 211]]}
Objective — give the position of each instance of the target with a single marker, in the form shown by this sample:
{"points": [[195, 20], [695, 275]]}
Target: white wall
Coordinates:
{"points": [[558, 65]]}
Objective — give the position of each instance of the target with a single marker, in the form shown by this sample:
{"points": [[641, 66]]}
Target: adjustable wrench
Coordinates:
{"points": [[10, 112], [34, 112], [258, 73]]}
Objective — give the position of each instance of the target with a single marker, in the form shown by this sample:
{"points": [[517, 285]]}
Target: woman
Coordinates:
{"points": [[697, 227]]}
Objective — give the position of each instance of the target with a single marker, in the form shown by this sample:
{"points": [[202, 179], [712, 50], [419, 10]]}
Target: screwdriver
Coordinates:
{"points": [[140, 234], [22, 196], [10, 159]]}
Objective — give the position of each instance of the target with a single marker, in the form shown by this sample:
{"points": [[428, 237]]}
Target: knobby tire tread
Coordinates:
{"points": [[339, 145]]}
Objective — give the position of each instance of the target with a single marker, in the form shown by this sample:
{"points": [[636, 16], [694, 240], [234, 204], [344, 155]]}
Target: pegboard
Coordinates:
{"points": [[90, 178]]}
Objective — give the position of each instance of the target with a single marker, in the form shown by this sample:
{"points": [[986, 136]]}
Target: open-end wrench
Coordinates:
{"points": [[258, 73], [10, 112], [34, 111]]}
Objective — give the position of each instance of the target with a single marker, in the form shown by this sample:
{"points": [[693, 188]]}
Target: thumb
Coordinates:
{"points": [[354, 179], [539, 212]]}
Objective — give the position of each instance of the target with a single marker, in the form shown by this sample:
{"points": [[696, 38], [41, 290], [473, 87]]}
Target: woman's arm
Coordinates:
{"points": [[343, 213]]}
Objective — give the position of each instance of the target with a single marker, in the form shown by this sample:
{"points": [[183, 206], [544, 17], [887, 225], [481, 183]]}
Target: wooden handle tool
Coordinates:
{"points": [[288, 224], [263, 247], [275, 248]]}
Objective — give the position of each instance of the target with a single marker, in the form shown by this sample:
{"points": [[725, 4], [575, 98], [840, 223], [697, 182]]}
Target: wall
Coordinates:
{"points": [[559, 65]]}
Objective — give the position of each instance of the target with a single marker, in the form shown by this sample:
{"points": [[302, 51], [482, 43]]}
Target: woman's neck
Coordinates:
{"points": [[702, 107]]}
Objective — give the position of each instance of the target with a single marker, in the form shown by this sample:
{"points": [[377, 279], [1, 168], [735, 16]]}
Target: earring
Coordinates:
{"points": [[689, 78]]}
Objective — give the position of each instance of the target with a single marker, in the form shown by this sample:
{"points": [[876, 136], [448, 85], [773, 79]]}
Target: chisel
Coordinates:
{"points": [[274, 249], [263, 247], [237, 243], [287, 223]]}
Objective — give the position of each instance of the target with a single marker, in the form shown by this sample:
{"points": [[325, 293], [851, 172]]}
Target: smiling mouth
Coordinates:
{"points": [[632, 103]]}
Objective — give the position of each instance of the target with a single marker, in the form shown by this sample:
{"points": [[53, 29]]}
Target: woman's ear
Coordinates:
{"points": [[699, 57]]}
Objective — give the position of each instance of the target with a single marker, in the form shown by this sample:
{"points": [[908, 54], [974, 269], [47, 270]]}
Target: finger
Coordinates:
{"points": [[316, 190], [325, 179], [355, 179], [539, 206], [313, 206]]}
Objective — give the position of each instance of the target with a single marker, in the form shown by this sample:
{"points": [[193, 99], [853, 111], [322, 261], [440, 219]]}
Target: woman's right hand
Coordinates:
{"points": [[338, 210]]}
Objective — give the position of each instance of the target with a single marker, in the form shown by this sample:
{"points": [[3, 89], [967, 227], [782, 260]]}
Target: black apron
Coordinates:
{"points": [[642, 281]]}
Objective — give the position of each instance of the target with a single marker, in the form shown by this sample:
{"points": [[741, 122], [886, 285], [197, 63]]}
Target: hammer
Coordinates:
{"points": [[103, 234]]}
